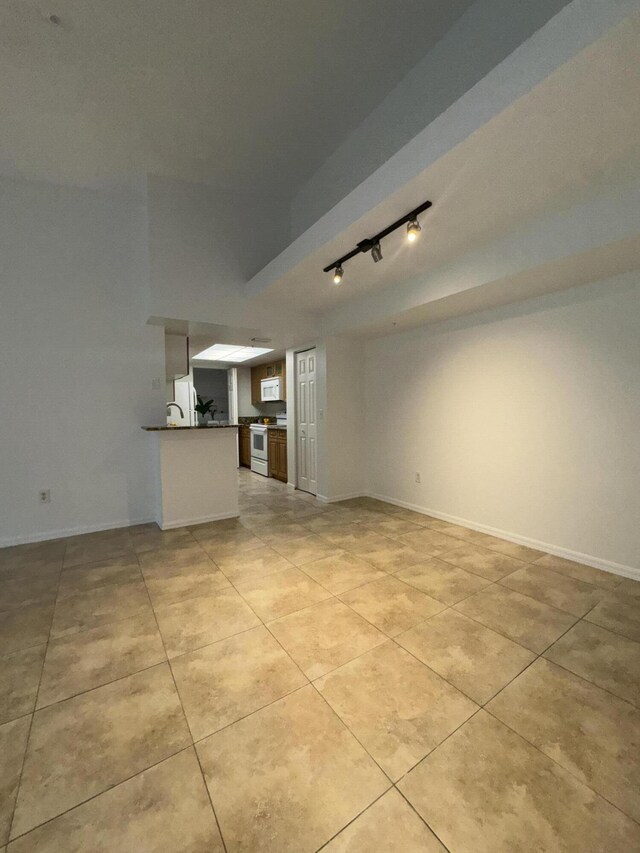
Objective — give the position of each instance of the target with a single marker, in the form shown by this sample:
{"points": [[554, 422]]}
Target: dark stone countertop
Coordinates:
{"points": [[268, 426], [176, 428]]}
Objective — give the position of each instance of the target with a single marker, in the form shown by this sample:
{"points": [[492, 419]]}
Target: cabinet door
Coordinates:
{"points": [[283, 451], [273, 453], [283, 373], [281, 456], [244, 446], [257, 375]]}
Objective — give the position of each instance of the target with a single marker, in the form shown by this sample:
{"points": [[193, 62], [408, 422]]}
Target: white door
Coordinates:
{"points": [[306, 427]]}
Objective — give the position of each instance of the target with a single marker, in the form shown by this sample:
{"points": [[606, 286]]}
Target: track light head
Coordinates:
{"points": [[413, 229], [337, 275], [376, 252]]}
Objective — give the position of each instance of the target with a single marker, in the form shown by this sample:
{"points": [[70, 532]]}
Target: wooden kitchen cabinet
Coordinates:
{"points": [[267, 371], [244, 445], [278, 454]]}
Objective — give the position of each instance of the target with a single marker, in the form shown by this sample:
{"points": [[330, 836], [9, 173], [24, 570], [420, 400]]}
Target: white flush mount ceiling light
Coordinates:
{"points": [[372, 244], [228, 352]]}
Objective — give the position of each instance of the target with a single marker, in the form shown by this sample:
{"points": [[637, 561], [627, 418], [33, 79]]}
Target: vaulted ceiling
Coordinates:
{"points": [[542, 196], [251, 96]]}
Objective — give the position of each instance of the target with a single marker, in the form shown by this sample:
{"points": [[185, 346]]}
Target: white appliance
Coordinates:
{"points": [[184, 394], [271, 389], [259, 449], [281, 419]]}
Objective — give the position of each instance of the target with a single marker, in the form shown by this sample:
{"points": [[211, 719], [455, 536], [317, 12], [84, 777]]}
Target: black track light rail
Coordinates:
{"points": [[366, 245]]}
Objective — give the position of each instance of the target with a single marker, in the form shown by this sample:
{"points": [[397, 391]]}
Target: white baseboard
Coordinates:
{"points": [[186, 522], [549, 548], [336, 498], [71, 531]]}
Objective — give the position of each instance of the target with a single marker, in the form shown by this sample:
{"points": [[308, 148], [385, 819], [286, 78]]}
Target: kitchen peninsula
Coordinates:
{"points": [[197, 473]]}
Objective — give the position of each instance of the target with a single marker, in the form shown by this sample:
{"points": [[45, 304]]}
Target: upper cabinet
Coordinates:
{"points": [[268, 371], [176, 356]]}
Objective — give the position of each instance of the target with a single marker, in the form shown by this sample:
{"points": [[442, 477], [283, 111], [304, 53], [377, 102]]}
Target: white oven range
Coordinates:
{"points": [[259, 449]]}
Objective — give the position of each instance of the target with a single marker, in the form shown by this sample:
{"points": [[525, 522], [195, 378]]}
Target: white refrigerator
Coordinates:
{"points": [[185, 396]]}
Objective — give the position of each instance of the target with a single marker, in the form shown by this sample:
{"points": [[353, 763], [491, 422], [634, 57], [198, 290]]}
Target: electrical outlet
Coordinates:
{"points": [[155, 384], [418, 477], [45, 496]]}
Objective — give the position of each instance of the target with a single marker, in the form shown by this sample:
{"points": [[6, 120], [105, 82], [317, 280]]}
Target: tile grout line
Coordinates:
{"points": [[100, 793], [235, 721], [437, 746], [353, 820], [250, 713], [311, 683], [213, 810], [33, 712], [519, 734], [353, 735], [582, 677], [480, 707], [387, 637], [561, 766], [423, 819], [184, 714]]}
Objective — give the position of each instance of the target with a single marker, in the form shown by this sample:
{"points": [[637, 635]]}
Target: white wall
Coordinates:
{"points": [[202, 249], [345, 418], [77, 362], [524, 419], [483, 36]]}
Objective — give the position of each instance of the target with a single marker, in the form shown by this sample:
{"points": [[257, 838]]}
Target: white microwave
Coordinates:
{"points": [[271, 389]]}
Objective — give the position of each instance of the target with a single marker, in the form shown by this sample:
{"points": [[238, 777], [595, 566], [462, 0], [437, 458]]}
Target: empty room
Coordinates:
{"points": [[320, 460]]}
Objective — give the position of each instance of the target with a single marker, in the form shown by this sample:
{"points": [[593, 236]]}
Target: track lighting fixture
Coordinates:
{"points": [[372, 244], [413, 229]]}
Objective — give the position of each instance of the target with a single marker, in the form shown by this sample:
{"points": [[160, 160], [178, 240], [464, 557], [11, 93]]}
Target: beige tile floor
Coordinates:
{"points": [[354, 677]]}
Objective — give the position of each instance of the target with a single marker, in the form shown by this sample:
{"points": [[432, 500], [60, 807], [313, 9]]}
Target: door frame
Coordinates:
{"points": [[292, 408], [296, 418]]}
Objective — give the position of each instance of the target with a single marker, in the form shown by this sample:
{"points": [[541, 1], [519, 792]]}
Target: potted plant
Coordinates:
{"points": [[203, 409]]}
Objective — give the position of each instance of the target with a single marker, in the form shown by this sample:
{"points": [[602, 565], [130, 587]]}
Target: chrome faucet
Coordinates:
{"points": [[179, 408]]}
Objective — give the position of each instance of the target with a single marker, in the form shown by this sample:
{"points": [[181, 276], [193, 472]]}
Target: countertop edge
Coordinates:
{"points": [[178, 428]]}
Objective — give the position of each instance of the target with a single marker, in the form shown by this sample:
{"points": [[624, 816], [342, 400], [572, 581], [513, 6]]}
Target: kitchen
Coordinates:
{"points": [[213, 388], [262, 433]]}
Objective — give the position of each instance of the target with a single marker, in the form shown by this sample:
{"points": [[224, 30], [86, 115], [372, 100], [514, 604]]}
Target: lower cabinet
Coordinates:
{"points": [[278, 454], [244, 445]]}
